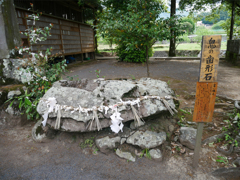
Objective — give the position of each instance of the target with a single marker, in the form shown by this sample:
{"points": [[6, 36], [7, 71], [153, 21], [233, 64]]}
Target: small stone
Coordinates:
{"points": [[236, 149], [175, 138], [125, 133], [125, 155], [38, 133], [123, 140], [10, 110], [188, 137], [133, 125], [147, 139], [11, 94], [156, 154], [237, 162], [169, 148], [24, 88], [171, 128], [106, 144]]}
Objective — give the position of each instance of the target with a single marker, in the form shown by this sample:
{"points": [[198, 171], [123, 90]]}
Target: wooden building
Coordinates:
{"points": [[70, 34]]}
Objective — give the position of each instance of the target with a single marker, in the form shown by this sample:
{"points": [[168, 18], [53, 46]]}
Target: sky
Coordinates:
{"points": [[164, 15]]}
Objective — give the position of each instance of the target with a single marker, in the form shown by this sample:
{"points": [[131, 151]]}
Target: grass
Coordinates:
{"points": [[185, 46], [189, 46]]}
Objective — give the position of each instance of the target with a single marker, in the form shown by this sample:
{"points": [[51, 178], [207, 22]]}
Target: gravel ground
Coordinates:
{"points": [[62, 158], [185, 71]]}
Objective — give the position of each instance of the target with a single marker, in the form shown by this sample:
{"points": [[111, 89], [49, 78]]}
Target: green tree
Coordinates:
{"points": [[189, 20], [231, 5], [137, 25]]}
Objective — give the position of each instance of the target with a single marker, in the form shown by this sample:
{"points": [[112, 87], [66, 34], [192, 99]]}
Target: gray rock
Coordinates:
{"points": [[13, 69], [156, 154], [236, 149], [10, 110], [134, 126], [89, 93], [38, 133], [125, 155], [175, 138], [237, 162], [171, 128], [125, 133], [11, 94], [106, 144], [214, 138], [123, 140], [227, 173], [147, 139], [188, 136]]}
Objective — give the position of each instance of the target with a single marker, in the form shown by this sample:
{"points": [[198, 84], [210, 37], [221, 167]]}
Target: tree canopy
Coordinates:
{"points": [[136, 23]]}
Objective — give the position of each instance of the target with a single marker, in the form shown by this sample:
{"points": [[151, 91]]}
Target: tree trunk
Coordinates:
{"points": [[173, 39], [232, 20], [95, 31], [148, 74]]}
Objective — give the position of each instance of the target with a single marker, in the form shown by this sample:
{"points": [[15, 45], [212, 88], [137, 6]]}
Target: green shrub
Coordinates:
{"points": [[218, 25], [136, 55], [189, 20]]}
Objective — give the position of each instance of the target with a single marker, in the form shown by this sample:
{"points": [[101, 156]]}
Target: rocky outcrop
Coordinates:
{"points": [[90, 94], [147, 139]]}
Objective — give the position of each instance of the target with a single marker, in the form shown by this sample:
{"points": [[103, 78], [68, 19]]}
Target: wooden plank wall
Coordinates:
{"points": [[67, 36]]}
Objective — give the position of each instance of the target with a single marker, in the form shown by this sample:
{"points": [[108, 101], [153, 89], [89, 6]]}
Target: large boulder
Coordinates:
{"points": [[97, 93]]}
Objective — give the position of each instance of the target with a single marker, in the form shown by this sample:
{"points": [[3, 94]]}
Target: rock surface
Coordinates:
{"points": [[11, 94], [89, 93], [147, 139], [106, 144], [156, 154], [237, 162], [125, 155], [188, 137]]}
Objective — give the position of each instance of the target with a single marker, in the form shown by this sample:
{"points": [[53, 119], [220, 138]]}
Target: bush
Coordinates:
{"points": [[218, 25], [189, 20], [187, 27], [40, 68], [136, 55]]}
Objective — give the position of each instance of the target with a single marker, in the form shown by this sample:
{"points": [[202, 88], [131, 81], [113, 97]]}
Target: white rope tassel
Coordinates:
{"points": [[95, 117], [99, 127], [58, 120], [169, 107], [137, 119]]}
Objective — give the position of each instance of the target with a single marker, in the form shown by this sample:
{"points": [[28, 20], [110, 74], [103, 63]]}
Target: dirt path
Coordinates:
{"points": [[63, 158], [180, 73]]}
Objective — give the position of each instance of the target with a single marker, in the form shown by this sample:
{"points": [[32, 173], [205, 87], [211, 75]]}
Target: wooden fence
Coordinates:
{"points": [[67, 36]]}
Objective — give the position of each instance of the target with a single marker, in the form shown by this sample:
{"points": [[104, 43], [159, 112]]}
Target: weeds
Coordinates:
{"points": [[87, 143], [132, 76], [95, 151], [222, 159], [145, 151]]}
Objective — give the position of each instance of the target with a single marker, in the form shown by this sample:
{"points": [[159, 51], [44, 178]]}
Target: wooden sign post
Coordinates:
{"points": [[206, 88]]}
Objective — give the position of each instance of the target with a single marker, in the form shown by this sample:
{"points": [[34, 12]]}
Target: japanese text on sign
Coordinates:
{"points": [[209, 58], [205, 101]]}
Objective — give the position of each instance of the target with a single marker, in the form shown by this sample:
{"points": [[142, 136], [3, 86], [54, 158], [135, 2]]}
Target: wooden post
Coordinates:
{"points": [[198, 145], [206, 88]]}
